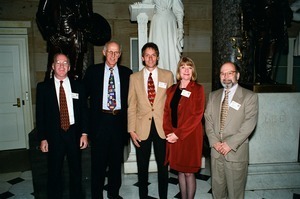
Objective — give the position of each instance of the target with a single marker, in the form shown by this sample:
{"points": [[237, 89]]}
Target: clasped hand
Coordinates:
{"points": [[172, 138], [222, 148]]}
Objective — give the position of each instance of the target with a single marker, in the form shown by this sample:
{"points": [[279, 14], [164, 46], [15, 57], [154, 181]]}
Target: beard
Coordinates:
{"points": [[228, 84]]}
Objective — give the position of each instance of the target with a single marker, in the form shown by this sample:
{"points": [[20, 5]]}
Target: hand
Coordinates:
{"points": [[135, 139], [83, 141], [225, 148], [180, 40], [218, 146], [172, 138], [44, 146]]}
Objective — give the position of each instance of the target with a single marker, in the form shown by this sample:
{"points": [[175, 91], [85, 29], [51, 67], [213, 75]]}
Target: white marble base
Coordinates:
{"points": [[274, 146], [273, 176]]}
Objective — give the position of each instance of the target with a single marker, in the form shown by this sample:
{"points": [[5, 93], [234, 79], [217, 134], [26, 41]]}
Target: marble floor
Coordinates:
{"points": [[18, 185]]}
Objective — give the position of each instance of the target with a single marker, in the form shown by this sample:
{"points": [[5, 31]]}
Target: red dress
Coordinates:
{"points": [[185, 155]]}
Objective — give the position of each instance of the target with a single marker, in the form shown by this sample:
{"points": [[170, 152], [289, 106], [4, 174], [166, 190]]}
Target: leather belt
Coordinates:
{"points": [[113, 112]]}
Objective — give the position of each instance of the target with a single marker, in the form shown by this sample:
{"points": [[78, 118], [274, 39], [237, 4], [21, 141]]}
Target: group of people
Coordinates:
{"points": [[111, 103]]}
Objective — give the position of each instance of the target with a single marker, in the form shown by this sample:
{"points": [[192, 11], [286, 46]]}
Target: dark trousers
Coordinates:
{"points": [[67, 145], [143, 156], [107, 152]]}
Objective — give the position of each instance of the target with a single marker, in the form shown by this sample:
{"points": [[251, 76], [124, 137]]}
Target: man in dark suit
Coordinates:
{"points": [[229, 136], [108, 121], [58, 139]]}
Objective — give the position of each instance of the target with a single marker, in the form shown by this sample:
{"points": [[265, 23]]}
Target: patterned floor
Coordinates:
{"points": [[18, 185]]}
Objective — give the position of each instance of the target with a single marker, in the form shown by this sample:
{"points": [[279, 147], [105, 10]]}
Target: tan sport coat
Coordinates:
{"points": [[239, 123], [140, 111]]}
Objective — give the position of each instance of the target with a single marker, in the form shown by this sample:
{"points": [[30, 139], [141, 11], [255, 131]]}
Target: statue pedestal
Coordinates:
{"points": [[274, 145], [141, 13]]}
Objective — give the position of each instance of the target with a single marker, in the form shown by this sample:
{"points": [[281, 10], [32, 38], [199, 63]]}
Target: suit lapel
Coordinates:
{"points": [[160, 91], [237, 98]]}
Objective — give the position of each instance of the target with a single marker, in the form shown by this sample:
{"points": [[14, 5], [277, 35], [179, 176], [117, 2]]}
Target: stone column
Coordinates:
{"points": [[227, 36], [142, 13]]}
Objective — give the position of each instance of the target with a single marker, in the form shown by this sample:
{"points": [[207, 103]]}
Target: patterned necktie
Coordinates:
{"points": [[151, 89], [224, 110], [111, 95], [64, 114]]}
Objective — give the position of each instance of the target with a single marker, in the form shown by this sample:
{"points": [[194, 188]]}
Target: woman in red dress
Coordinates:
{"points": [[182, 124]]}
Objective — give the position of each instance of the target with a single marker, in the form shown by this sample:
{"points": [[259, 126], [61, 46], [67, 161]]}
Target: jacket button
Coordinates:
{"points": [[149, 118], [153, 109]]}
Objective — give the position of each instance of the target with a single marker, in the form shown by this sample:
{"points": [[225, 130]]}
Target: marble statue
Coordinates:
{"points": [[166, 30]]}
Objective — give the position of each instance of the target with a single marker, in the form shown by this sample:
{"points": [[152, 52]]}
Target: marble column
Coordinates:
{"points": [[142, 13]]}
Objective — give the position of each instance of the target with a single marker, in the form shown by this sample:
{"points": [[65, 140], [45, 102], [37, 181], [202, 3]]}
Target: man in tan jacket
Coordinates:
{"points": [[145, 118]]}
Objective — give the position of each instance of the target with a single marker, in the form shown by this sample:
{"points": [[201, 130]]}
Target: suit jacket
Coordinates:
{"points": [[93, 81], [239, 123], [140, 111], [47, 110], [185, 155]]}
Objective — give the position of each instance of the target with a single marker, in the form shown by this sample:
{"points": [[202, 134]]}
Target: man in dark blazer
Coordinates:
{"points": [[229, 141], [55, 139], [108, 125]]}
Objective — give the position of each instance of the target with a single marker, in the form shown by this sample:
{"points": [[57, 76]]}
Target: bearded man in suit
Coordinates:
{"points": [[229, 136]]}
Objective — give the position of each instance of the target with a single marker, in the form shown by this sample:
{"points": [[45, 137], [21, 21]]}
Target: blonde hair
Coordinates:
{"points": [[188, 61]]}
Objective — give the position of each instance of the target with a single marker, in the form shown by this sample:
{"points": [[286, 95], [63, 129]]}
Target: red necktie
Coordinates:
{"points": [[64, 114], [151, 89]]}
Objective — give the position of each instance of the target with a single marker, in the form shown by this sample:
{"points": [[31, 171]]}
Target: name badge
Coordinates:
{"points": [[235, 105], [186, 93], [75, 96], [162, 85]]}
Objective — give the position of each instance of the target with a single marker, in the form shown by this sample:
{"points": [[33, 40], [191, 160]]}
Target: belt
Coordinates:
{"points": [[113, 112]]}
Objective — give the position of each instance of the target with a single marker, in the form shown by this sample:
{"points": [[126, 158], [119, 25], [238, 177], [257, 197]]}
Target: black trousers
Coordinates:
{"points": [[143, 156], [107, 152], [66, 146]]}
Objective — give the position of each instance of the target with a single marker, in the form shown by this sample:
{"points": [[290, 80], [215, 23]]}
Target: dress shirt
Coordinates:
{"points": [[230, 94], [68, 91], [117, 87], [154, 77]]}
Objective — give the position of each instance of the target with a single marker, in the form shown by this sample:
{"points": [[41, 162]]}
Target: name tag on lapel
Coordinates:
{"points": [[235, 105], [162, 85]]}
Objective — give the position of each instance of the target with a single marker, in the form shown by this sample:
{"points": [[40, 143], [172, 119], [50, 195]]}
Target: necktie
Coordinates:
{"points": [[224, 110], [111, 95], [151, 89], [64, 114]]}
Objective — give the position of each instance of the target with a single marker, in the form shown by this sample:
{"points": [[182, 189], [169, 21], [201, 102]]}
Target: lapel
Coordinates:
{"points": [[141, 84], [238, 97], [160, 91], [52, 94], [218, 105]]}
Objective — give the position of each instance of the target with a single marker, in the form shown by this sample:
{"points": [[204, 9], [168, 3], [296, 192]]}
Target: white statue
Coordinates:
{"points": [[166, 31]]}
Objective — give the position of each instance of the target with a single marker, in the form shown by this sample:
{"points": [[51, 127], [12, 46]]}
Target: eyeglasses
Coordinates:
{"points": [[58, 63], [115, 53], [229, 73]]}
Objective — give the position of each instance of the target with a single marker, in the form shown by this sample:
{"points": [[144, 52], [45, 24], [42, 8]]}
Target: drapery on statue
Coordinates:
{"points": [[266, 22], [68, 26], [166, 31]]}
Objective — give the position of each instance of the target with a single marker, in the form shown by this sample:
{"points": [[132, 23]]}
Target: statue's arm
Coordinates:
{"points": [[43, 19]]}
